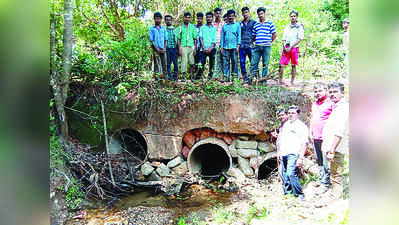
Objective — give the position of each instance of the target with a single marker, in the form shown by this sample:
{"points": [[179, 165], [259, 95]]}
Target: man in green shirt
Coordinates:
{"points": [[171, 49], [208, 35], [186, 40]]}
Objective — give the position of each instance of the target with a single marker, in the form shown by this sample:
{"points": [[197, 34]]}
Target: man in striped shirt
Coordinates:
{"points": [[264, 33]]}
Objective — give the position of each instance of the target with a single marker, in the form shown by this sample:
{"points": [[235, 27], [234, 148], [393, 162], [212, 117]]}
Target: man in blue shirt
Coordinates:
{"points": [[230, 41], [208, 38], [264, 33], [246, 41], [159, 41]]}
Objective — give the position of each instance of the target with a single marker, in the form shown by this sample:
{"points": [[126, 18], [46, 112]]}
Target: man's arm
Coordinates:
{"points": [[178, 46], [274, 36], [336, 141]]}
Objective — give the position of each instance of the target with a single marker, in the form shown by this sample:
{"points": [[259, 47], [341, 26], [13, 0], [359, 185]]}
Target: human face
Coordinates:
{"points": [[157, 21], [231, 18], [292, 115], [225, 19], [187, 19], [319, 93], [209, 19], [245, 14], [345, 25], [218, 14], [200, 20], [283, 116], [293, 17], [261, 16], [335, 94], [168, 21]]}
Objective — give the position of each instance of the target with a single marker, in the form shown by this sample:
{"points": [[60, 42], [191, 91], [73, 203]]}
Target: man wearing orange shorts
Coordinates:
{"points": [[293, 35]]}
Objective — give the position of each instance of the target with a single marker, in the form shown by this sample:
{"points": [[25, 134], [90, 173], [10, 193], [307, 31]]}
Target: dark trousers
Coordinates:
{"points": [[199, 68], [171, 54], [244, 52], [211, 57]]}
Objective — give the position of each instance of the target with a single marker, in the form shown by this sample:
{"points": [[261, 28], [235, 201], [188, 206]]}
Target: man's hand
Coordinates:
{"points": [[299, 162], [330, 156], [221, 51], [180, 52], [195, 52], [237, 50]]}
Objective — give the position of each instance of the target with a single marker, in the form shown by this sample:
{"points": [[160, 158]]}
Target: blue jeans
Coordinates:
{"points": [[290, 177], [257, 52], [244, 52], [171, 54], [230, 58]]}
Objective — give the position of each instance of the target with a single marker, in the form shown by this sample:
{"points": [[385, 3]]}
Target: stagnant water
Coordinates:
{"points": [[197, 200]]}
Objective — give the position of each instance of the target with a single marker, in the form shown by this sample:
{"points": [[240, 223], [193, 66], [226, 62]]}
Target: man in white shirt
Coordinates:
{"points": [[293, 140], [335, 137]]}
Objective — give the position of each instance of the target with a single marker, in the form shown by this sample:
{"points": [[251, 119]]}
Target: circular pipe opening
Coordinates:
{"points": [[267, 167], [209, 157], [131, 141]]}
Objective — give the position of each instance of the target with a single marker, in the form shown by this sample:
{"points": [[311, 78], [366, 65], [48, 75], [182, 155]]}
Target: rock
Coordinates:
{"points": [[262, 136], [265, 147], [236, 176], [233, 151], [245, 144], [189, 139], [227, 139], [163, 170], [155, 164], [139, 176], [154, 177], [181, 169], [163, 147], [185, 151], [247, 153], [244, 138], [174, 162], [244, 166], [254, 162], [115, 146], [206, 132], [147, 169], [171, 186]]}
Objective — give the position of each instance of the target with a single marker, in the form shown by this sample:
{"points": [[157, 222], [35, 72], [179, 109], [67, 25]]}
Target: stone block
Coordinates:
{"points": [[245, 144], [181, 169], [154, 177], [265, 147], [163, 170], [247, 153], [163, 147], [155, 164], [233, 151], [262, 136], [227, 139], [185, 151], [147, 169], [174, 162], [245, 167], [189, 139]]}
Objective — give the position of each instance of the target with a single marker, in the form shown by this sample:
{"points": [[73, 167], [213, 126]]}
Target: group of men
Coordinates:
{"points": [[223, 42], [328, 132]]}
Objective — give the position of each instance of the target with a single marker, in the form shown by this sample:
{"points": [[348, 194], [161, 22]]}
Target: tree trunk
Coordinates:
{"points": [[60, 82]]}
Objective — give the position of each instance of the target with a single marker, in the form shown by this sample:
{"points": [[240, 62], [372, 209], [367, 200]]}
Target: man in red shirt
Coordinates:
{"points": [[321, 110]]}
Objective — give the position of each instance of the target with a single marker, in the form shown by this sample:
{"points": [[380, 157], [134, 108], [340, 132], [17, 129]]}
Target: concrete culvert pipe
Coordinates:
{"points": [[131, 141], [209, 157], [267, 167]]}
